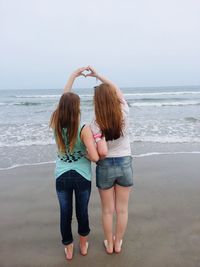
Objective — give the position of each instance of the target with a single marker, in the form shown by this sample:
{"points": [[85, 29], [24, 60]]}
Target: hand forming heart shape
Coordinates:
{"points": [[84, 72]]}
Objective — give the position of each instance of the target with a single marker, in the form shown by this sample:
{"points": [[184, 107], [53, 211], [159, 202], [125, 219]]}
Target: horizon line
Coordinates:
{"points": [[84, 88]]}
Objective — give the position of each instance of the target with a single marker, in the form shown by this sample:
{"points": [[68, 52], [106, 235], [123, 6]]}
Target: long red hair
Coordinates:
{"points": [[66, 115], [108, 111]]}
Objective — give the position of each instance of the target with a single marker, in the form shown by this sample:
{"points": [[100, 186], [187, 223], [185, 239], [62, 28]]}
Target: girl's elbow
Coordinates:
{"points": [[103, 153], [95, 158]]}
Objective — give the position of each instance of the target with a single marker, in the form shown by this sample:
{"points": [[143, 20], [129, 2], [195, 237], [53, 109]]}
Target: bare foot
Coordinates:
{"points": [[108, 246], [69, 251], [83, 244], [118, 246]]}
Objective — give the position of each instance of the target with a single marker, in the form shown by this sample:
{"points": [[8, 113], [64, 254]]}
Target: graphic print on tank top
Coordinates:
{"points": [[71, 157], [79, 149]]}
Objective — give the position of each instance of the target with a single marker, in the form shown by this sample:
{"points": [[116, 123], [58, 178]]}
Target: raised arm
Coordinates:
{"points": [[93, 73], [72, 77]]}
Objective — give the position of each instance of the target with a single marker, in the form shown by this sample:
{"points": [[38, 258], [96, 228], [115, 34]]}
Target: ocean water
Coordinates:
{"points": [[162, 120]]}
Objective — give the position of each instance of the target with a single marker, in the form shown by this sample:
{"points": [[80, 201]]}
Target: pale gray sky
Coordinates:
{"points": [[135, 43]]}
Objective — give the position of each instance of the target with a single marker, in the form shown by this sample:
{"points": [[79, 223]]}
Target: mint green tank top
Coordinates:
{"points": [[73, 161]]}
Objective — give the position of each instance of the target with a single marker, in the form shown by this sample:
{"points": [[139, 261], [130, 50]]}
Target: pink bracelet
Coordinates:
{"points": [[97, 136]]}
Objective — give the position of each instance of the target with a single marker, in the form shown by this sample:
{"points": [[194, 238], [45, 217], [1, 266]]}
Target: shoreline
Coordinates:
{"points": [[148, 154]]}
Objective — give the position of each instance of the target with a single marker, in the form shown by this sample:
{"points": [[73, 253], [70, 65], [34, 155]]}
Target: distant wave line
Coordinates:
{"points": [[162, 104], [147, 139], [137, 103], [45, 96], [22, 104], [163, 93], [126, 94]]}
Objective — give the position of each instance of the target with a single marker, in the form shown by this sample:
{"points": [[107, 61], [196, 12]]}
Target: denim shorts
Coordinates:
{"points": [[111, 171]]}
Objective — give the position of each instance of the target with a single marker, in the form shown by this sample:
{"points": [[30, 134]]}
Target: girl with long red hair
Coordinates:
{"points": [[114, 174]]}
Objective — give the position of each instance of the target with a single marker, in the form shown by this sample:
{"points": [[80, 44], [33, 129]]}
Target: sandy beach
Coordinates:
{"points": [[164, 217]]}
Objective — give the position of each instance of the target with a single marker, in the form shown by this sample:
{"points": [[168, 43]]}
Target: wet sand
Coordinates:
{"points": [[164, 217]]}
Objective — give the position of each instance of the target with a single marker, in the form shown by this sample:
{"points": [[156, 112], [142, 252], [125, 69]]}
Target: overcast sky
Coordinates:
{"points": [[135, 43]]}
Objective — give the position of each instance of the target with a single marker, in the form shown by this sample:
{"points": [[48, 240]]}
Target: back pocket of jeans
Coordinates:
{"points": [[127, 174]]}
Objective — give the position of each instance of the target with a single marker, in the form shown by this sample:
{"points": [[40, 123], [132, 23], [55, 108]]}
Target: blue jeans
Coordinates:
{"points": [[65, 185]]}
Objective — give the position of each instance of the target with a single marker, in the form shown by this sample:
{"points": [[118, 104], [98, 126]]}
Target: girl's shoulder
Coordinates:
{"points": [[94, 127], [84, 130], [81, 127]]}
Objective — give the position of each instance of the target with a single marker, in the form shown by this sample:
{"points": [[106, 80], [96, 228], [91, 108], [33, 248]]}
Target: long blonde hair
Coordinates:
{"points": [[108, 111], [66, 115]]}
